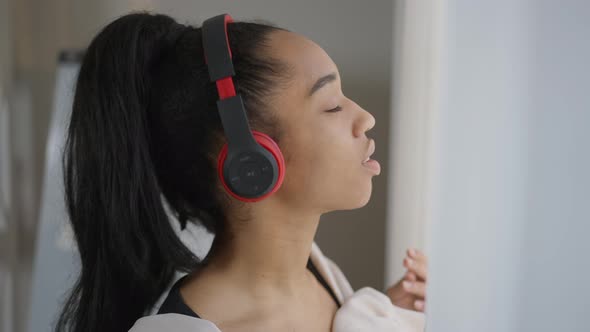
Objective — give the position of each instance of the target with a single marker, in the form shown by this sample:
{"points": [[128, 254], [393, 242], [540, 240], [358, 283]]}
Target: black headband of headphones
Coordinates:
{"points": [[221, 70]]}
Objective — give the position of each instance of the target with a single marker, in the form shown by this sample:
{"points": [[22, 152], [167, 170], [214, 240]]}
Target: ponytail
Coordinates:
{"points": [[128, 248]]}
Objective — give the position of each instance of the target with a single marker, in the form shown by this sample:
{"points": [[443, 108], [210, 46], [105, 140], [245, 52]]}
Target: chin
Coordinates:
{"points": [[349, 195], [359, 200], [364, 201]]}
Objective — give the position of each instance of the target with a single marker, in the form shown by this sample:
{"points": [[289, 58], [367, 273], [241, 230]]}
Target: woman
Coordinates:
{"points": [[145, 136]]}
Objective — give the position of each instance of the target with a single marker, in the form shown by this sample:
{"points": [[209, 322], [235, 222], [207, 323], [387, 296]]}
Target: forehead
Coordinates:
{"points": [[308, 60]]}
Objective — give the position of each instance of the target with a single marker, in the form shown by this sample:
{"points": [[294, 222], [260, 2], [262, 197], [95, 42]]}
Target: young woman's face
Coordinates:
{"points": [[323, 132]]}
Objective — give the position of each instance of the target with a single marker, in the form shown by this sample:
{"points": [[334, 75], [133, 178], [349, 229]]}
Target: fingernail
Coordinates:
{"points": [[410, 261], [407, 284], [412, 252]]}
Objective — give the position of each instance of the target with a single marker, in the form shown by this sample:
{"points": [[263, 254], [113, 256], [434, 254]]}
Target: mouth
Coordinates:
{"points": [[372, 165], [370, 151]]}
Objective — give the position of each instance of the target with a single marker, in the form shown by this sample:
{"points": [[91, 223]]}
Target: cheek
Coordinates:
{"points": [[298, 167], [330, 177], [344, 182], [323, 169]]}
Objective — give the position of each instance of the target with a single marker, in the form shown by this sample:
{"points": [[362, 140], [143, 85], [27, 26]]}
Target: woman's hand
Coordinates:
{"points": [[410, 291]]}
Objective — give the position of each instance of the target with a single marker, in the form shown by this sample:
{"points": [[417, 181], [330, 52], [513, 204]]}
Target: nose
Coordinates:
{"points": [[366, 122]]}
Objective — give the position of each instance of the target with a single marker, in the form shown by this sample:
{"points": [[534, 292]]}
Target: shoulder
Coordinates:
{"points": [[173, 322]]}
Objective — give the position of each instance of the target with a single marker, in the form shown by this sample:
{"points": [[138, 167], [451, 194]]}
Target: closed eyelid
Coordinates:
{"points": [[335, 109]]}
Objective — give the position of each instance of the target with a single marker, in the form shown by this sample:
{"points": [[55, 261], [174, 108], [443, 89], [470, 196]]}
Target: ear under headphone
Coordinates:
{"points": [[250, 165]]}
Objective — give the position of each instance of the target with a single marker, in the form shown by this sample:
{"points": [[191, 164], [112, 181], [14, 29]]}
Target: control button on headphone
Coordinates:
{"points": [[250, 174], [249, 170], [245, 157]]}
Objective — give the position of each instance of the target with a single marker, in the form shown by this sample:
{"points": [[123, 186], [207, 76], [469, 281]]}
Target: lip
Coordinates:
{"points": [[370, 151], [371, 164]]}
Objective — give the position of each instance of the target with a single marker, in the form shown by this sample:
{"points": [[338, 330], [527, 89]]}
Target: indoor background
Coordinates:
{"points": [[482, 113], [357, 36]]}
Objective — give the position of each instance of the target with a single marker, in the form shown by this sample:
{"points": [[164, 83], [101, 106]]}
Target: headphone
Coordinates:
{"points": [[250, 165]]}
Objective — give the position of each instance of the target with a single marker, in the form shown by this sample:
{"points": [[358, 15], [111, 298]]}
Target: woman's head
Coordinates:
{"points": [[144, 126], [275, 73], [322, 131]]}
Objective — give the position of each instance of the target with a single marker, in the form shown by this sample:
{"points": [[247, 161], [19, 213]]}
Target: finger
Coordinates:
{"points": [[417, 267], [410, 276], [419, 305], [416, 288], [414, 252], [417, 255]]}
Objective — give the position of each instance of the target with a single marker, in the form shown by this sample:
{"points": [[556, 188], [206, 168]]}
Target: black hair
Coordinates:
{"points": [[145, 132]]}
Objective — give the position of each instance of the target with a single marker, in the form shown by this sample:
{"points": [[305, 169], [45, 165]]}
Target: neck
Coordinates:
{"points": [[269, 252]]}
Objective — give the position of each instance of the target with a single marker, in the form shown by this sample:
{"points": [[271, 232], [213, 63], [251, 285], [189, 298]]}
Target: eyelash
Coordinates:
{"points": [[335, 109]]}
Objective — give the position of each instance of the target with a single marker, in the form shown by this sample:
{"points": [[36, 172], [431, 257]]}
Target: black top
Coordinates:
{"points": [[175, 304]]}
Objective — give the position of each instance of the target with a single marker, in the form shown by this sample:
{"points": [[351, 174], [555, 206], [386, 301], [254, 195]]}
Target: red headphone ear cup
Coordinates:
{"points": [[269, 144]]}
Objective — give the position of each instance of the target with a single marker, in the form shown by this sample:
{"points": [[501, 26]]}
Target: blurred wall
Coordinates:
{"points": [[356, 35], [511, 191]]}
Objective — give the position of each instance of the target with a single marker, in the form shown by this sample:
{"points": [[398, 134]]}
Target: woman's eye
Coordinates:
{"points": [[335, 109]]}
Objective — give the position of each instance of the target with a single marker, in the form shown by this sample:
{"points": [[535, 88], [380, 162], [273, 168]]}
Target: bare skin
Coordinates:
{"points": [[410, 291], [258, 280]]}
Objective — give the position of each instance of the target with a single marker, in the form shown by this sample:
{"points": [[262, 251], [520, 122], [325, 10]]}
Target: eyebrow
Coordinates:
{"points": [[321, 82]]}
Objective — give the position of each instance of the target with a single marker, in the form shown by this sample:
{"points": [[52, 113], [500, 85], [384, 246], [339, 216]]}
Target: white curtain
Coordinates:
{"points": [[417, 32]]}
